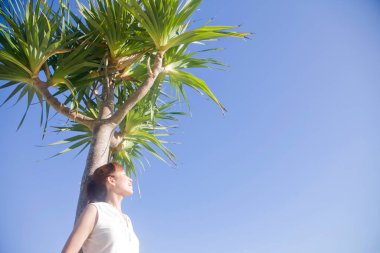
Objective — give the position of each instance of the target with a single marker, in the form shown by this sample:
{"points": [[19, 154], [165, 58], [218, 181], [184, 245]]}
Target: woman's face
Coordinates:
{"points": [[122, 183]]}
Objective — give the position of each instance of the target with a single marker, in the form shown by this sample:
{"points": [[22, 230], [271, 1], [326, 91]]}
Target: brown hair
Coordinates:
{"points": [[96, 188]]}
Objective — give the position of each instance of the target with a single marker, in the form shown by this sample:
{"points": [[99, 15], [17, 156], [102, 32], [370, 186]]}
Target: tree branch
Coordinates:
{"points": [[47, 71], [139, 93], [42, 88], [116, 140]]}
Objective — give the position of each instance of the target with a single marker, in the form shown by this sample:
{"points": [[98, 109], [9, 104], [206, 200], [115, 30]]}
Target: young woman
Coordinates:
{"points": [[102, 227]]}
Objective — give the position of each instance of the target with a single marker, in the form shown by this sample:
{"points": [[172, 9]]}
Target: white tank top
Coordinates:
{"points": [[113, 232]]}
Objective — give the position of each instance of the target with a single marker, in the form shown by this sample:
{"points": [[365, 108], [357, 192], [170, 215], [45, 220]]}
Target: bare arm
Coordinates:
{"points": [[82, 230]]}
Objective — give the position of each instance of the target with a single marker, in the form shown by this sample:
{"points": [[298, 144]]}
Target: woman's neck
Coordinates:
{"points": [[114, 200]]}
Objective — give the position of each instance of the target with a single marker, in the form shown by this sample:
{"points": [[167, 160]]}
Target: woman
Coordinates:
{"points": [[102, 227]]}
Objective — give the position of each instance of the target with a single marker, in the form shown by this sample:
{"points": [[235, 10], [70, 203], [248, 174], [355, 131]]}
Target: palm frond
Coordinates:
{"points": [[116, 28], [31, 35], [166, 21]]}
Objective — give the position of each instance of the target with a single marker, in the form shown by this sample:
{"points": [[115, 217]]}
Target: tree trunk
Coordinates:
{"points": [[98, 155], [102, 134]]}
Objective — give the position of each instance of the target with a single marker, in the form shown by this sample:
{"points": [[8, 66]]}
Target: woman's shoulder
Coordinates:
{"points": [[88, 216], [97, 204], [91, 213], [94, 208], [91, 208], [102, 207]]}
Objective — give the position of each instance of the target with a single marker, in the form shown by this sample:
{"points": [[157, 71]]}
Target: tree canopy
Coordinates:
{"points": [[115, 54]]}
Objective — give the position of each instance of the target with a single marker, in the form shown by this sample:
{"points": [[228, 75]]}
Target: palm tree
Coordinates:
{"points": [[105, 70]]}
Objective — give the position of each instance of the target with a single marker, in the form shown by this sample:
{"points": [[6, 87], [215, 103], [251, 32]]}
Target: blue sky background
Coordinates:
{"points": [[293, 167]]}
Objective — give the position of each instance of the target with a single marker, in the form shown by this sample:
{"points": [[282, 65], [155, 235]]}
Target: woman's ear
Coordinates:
{"points": [[111, 180]]}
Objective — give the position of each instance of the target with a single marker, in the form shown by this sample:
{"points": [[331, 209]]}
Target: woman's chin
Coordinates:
{"points": [[128, 193]]}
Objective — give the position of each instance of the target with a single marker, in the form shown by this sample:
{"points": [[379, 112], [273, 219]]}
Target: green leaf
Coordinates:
{"points": [[195, 83], [14, 92]]}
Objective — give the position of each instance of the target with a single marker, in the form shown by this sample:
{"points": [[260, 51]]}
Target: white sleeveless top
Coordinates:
{"points": [[113, 232]]}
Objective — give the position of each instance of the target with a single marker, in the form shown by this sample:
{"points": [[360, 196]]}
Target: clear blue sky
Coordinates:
{"points": [[293, 167]]}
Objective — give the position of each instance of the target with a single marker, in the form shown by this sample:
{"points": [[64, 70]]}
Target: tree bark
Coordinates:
{"points": [[98, 155], [42, 88], [102, 134]]}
